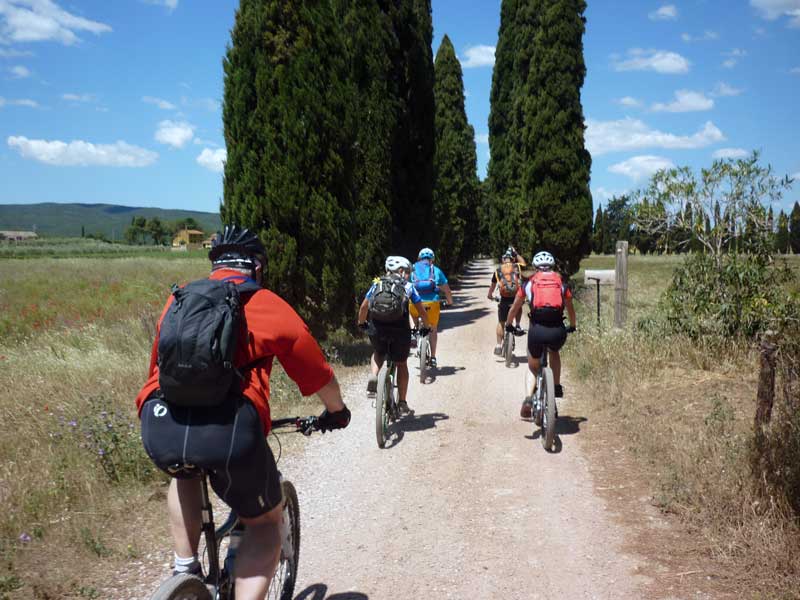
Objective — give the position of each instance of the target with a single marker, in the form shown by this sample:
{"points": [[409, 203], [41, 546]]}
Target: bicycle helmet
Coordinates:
{"points": [[426, 253], [395, 263], [508, 254], [544, 260], [237, 247]]}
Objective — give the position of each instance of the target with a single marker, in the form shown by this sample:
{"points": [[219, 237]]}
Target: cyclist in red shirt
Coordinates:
{"points": [[548, 297], [229, 439]]}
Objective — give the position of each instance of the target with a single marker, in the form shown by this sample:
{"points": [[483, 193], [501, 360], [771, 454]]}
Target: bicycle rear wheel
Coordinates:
{"points": [[182, 587], [282, 585], [549, 409], [508, 348], [424, 355], [382, 406]]}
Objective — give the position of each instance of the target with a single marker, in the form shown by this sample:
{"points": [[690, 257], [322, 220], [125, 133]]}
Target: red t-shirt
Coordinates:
{"points": [[274, 330]]}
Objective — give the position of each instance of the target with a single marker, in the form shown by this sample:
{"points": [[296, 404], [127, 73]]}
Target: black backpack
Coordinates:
{"points": [[197, 342], [389, 301]]}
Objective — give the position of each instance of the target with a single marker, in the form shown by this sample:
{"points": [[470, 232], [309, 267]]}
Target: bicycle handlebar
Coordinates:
{"points": [[304, 425]]}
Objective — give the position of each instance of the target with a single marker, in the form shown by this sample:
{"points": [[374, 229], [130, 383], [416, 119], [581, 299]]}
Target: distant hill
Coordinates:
{"points": [[65, 220]]}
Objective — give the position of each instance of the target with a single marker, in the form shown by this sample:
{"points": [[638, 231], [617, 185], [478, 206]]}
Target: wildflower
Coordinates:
{"points": [[24, 538], [101, 452], [72, 423]]}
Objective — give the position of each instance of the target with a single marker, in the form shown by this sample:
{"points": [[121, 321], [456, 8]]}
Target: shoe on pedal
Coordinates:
{"points": [[559, 390], [526, 410], [372, 384], [519, 330], [498, 350], [433, 362], [195, 570], [403, 408]]}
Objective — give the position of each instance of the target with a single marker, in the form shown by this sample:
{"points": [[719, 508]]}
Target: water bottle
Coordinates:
{"points": [[234, 539]]}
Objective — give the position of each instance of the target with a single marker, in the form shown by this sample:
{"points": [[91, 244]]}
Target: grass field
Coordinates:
{"points": [[684, 410]]}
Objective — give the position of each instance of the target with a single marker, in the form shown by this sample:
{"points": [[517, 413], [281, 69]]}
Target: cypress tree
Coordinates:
{"points": [[503, 185], [794, 229], [455, 194], [555, 180], [286, 123], [413, 144], [782, 235], [598, 237]]}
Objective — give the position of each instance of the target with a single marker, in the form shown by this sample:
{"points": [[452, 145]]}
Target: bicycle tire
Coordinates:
{"points": [[549, 410], [381, 406], [424, 352], [508, 348], [182, 587], [282, 585]]}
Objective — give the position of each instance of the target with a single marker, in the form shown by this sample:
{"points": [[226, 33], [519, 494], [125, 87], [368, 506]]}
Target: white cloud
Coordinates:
{"points": [[20, 72], [733, 57], [78, 97], [170, 4], [630, 102], [729, 63], [43, 20], [629, 134], [723, 89], [667, 12], [174, 133], [213, 160], [11, 53], [730, 153], [478, 56], [162, 104], [79, 153], [659, 61], [482, 138], [795, 176], [708, 36], [209, 104], [795, 70], [775, 9], [685, 101], [641, 167], [606, 194], [21, 102]]}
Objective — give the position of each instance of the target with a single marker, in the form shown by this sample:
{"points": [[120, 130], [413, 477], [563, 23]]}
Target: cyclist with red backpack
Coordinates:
{"points": [[548, 296], [429, 280], [205, 404], [384, 316], [506, 280]]}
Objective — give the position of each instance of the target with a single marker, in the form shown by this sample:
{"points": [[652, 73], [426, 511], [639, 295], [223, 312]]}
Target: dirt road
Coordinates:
{"points": [[463, 503]]}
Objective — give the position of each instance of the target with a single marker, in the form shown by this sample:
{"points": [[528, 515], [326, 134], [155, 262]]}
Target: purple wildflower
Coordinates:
{"points": [[24, 538]]}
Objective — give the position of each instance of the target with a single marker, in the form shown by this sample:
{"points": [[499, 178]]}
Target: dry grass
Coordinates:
{"points": [[684, 410]]}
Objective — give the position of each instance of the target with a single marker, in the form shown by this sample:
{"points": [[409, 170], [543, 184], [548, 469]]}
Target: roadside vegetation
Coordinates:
{"points": [[677, 387]]}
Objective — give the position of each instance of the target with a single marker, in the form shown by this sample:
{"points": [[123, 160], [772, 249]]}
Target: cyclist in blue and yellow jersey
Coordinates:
{"points": [[384, 316], [430, 281]]}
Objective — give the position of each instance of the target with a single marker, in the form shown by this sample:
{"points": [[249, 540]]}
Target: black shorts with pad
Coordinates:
{"points": [[503, 308], [541, 336], [226, 440], [394, 341]]}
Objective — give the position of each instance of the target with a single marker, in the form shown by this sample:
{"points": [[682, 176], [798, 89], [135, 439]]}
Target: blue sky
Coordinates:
{"points": [[119, 101]]}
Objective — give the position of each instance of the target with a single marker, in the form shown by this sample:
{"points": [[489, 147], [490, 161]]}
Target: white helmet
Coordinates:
{"points": [[544, 260], [426, 253], [395, 263]]}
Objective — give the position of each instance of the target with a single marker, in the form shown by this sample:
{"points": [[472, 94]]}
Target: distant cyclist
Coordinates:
{"points": [[548, 296], [429, 280], [384, 315], [506, 280], [219, 424]]}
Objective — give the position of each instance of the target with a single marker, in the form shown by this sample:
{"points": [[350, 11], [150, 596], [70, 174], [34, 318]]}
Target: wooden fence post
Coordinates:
{"points": [[621, 285], [766, 381]]}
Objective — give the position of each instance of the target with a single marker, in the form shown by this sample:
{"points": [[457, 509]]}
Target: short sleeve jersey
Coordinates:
{"points": [[439, 279], [274, 330]]}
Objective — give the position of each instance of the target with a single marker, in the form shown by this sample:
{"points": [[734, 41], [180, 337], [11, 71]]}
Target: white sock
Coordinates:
{"points": [[185, 565]]}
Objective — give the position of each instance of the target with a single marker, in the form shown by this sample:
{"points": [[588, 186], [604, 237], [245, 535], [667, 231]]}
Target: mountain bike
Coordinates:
{"points": [[386, 407], [508, 348], [218, 584], [423, 344]]}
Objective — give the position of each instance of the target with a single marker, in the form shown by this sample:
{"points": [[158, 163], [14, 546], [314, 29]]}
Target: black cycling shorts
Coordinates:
{"points": [[226, 440], [503, 308], [392, 341], [551, 336]]}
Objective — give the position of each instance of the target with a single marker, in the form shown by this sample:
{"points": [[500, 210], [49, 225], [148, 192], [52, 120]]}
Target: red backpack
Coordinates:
{"points": [[547, 291]]}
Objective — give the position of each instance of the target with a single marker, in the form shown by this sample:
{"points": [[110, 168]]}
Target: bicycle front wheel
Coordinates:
{"points": [[382, 406], [508, 348], [182, 587], [549, 409], [424, 354], [282, 585]]}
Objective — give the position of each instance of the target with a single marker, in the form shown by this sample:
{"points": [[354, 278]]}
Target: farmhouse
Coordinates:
{"points": [[18, 236], [190, 239]]}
